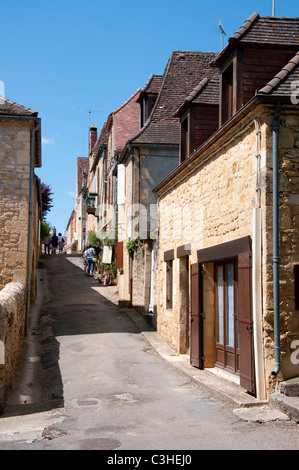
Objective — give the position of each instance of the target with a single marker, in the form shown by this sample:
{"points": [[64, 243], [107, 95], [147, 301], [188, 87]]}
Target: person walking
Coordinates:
{"points": [[90, 258], [60, 243], [47, 243], [54, 243], [97, 249]]}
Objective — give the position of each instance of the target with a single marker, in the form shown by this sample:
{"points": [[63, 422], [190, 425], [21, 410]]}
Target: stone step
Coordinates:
{"points": [[290, 387]]}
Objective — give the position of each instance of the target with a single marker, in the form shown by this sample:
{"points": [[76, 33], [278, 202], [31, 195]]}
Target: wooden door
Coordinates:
{"points": [[196, 333]]}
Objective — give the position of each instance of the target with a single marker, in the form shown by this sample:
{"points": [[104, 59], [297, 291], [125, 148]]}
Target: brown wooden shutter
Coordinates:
{"points": [[247, 377], [196, 346], [120, 255]]}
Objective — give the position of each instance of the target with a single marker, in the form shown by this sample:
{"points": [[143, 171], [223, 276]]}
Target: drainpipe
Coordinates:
{"points": [[257, 276], [29, 245], [276, 259]]}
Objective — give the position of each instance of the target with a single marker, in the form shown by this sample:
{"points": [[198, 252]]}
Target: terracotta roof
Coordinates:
{"points": [[264, 30], [269, 29], [182, 74], [282, 83], [152, 86], [111, 115], [102, 139], [125, 121], [10, 108], [101, 142], [206, 92]]}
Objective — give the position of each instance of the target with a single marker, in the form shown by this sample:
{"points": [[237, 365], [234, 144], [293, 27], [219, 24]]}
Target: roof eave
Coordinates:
{"points": [[249, 106]]}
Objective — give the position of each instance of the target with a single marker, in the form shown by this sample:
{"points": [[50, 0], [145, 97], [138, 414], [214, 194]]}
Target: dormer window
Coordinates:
{"points": [[227, 108], [146, 105], [185, 138], [199, 116], [143, 112], [231, 86]]}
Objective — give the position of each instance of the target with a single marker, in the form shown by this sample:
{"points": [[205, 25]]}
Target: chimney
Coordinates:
{"points": [[93, 135]]}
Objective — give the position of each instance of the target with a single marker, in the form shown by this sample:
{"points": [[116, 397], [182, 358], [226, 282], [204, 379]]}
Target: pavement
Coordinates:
{"points": [[214, 381], [219, 384]]}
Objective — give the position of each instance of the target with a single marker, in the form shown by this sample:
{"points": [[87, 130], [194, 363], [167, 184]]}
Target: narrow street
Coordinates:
{"points": [[91, 380]]}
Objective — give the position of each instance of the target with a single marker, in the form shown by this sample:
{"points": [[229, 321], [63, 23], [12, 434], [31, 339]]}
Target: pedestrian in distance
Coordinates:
{"points": [[97, 249], [60, 242], [91, 259], [54, 243], [47, 243], [84, 258]]}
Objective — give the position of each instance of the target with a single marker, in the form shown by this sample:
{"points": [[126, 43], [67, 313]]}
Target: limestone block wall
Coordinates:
{"points": [[209, 205], [289, 242], [14, 199], [12, 329], [213, 202], [142, 277]]}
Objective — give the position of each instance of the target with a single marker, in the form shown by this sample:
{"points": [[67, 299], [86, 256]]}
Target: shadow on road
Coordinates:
{"points": [[71, 305]]}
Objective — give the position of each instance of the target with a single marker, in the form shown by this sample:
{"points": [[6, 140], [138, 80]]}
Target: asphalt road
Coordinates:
{"points": [[90, 380]]}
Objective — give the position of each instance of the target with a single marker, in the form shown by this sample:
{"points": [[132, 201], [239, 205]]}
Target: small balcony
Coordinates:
{"points": [[91, 203]]}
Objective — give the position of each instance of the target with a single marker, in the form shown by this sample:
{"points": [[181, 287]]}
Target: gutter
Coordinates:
{"points": [[276, 259]]}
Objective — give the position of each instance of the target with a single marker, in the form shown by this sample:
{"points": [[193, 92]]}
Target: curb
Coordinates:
{"points": [[218, 387]]}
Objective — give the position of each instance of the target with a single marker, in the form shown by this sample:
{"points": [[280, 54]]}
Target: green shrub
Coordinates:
{"points": [[44, 229]]}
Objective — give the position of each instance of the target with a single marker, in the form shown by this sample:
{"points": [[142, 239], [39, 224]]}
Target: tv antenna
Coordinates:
{"points": [[89, 111], [223, 33]]}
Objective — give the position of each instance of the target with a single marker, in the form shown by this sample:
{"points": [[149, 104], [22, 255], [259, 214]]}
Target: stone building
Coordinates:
{"points": [[20, 215], [148, 157], [227, 281], [104, 182], [77, 226], [121, 124]]}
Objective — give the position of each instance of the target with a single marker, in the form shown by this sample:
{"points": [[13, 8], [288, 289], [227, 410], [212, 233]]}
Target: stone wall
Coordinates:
{"points": [[213, 202], [289, 241], [14, 198], [210, 204], [12, 330]]}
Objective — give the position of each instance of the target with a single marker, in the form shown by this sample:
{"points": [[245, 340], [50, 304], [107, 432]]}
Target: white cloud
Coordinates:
{"points": [[47, 141], [70, 193]]}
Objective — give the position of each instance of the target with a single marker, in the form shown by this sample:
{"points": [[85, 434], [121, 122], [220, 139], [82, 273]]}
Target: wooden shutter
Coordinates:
{"points": [[247, 378], [120, 255], [196, 346]]}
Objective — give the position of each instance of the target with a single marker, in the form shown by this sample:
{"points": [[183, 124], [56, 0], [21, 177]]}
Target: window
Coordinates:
{"points": [[121, 188], [184, 139], [226, 314], [169, 284], [227, 93]]}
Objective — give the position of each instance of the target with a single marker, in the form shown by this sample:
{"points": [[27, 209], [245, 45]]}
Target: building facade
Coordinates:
{"points": [[228, 219], [20, 208], [148, 157]]}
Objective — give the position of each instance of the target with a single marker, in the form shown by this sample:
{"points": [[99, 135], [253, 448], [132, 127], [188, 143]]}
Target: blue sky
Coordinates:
{"points": [[63, 57]]}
